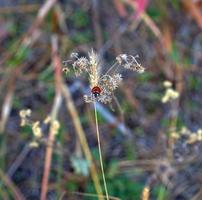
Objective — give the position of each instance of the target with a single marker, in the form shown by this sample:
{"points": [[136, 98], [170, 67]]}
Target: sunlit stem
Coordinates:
{"points": [[100, 152]]}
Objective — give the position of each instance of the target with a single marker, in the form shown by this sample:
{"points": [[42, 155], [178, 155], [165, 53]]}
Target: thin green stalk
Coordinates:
{"points": [[100, 152]]}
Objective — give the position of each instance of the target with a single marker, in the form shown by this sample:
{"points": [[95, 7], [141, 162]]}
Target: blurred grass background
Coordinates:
{"points": [[165, 34]]}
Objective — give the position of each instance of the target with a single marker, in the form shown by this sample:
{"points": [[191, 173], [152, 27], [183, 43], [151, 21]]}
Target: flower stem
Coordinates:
{"points": [[100, 152]]}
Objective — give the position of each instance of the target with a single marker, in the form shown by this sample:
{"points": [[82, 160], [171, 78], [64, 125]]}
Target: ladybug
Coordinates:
{"points": [[96, 91]]}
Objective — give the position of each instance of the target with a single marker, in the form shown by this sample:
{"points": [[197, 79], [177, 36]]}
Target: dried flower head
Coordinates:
{"points": [[103, 85], [24, 115], [170, 93], [130, 62], [37, 130], [55, 125]]}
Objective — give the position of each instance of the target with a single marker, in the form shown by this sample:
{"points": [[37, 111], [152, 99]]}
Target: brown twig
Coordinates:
{"points": [[54, 113], [19, 9]]}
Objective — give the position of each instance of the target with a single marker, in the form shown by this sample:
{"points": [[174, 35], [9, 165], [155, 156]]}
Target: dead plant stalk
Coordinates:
{"points": [[54, 113]]}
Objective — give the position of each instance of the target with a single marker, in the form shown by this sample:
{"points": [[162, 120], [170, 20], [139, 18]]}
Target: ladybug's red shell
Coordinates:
{"points": [[96, 91]]}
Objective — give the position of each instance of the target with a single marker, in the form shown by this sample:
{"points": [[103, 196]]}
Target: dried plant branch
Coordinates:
{"points": [[54, 113]]}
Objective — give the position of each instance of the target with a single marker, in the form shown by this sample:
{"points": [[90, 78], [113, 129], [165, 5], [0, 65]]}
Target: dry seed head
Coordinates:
{"points": [[130, 62], [94, 68], [107, 82], [80, 65], [74, 55]]}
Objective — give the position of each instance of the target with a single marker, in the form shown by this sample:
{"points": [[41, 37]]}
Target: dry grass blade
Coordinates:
{"points": [[54, 113], [100, 152], [87, 195], [7, 103]]}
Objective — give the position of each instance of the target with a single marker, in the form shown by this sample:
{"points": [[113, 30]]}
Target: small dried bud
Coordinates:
{"points": [[34, 144], [25, 113], [122, 58], [175, 135], [170, 94], [80, 65], [74, 55], [55, 125], [167, 84], [36, 130]]}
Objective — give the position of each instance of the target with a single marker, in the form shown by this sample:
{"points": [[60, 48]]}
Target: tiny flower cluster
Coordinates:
{"points": [[170, 93], [191, 137], [37, 126], [24, 115], [102, 86]]}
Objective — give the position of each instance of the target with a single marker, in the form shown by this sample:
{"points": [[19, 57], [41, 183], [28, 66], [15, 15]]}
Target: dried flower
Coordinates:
{"points": [[167, 84], [37, 130], [24, 114], [34, 144], [55, 125], [103, 85], [130, 62], [170, 93]]}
